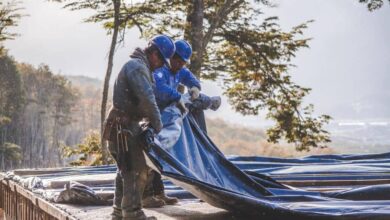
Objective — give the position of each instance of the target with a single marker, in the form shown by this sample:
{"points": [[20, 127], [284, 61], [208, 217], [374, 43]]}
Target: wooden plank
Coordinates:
{"points": [[16, 203], [42, 171], [58, 184], [1, 197]]}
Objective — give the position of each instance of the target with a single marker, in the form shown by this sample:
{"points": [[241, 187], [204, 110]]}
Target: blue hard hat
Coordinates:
{"points": [[184, 50], [165, 45]]}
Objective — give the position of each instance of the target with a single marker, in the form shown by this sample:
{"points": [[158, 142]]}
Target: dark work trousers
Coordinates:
{"points": [[155, 185], [129, 183]]}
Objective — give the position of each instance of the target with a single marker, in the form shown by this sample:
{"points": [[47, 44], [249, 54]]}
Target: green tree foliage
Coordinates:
{"points": [[11, 101], [373, 4], [234, 43], [9, 17], [10, 87], [88, 153], [10, 154]]}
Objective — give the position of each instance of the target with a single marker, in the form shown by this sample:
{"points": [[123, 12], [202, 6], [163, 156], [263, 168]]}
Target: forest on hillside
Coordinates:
{"points": [[46, 113], [42, 112]]}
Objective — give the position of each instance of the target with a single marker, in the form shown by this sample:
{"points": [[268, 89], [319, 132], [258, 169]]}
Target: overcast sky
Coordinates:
{"points": [[347, 60]]}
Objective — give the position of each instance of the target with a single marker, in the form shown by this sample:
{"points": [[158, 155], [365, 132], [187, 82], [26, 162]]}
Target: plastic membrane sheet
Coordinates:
{"points": [[250, 185], [314, 187]]}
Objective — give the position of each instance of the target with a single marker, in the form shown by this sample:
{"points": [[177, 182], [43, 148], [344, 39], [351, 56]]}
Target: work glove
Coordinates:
{"points": [[147, 138], [181, 106], [215, 103], [194, 92]]}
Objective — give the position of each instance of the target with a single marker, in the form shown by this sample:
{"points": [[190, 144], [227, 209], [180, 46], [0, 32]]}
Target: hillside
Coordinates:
{"points": [[89, 87], [233, 139]]}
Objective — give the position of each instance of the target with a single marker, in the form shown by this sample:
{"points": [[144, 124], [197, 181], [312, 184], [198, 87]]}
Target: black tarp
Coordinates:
{"points": [[244, 185], [186, 156]]}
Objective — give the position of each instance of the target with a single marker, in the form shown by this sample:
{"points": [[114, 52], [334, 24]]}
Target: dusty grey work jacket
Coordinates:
{"points": [[133, 90]]}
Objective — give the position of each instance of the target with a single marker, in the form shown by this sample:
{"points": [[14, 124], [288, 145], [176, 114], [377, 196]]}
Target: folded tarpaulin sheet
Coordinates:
{"points": [[186, 156]]}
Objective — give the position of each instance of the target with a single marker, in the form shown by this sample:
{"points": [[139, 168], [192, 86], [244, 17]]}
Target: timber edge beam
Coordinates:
{"points": [[21, 204]]}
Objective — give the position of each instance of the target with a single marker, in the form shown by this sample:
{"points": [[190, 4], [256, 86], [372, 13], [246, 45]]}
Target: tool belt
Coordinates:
{"points": [[123, 130], [119, 118]]}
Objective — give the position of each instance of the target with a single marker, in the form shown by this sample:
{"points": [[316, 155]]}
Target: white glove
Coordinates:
{"points": [[194, 92], [215, 103]]}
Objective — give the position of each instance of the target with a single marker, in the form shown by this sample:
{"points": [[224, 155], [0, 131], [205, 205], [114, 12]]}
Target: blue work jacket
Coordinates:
{"points": [[167, 82]]}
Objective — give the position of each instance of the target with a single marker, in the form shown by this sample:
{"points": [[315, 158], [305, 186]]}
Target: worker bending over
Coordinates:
{"points": [[133, 102]]}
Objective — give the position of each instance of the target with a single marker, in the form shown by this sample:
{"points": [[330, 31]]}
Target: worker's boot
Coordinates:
{"points": [[116, 214], [152, 202], [138, 215], [167, 199]]}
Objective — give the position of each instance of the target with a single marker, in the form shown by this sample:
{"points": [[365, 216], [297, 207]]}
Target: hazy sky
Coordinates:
{"points": [[348, 57]]}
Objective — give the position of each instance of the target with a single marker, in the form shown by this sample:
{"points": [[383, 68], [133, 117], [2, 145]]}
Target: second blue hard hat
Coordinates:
{"points": [[165, 45], [184, 50]]}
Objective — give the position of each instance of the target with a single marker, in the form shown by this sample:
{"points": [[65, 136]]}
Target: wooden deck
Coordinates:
{"points": [[184, 210], [19, 203]]}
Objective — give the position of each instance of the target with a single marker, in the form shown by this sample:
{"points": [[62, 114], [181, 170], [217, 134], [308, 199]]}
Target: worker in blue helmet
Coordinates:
{"points": [[167, 81], [133, 102], [166, 47], [183, 50], [168, 78]]}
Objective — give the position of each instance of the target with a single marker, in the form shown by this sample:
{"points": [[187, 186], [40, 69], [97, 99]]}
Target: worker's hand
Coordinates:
{"points": [[181, 106], [194, 92], [147, 138]]}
